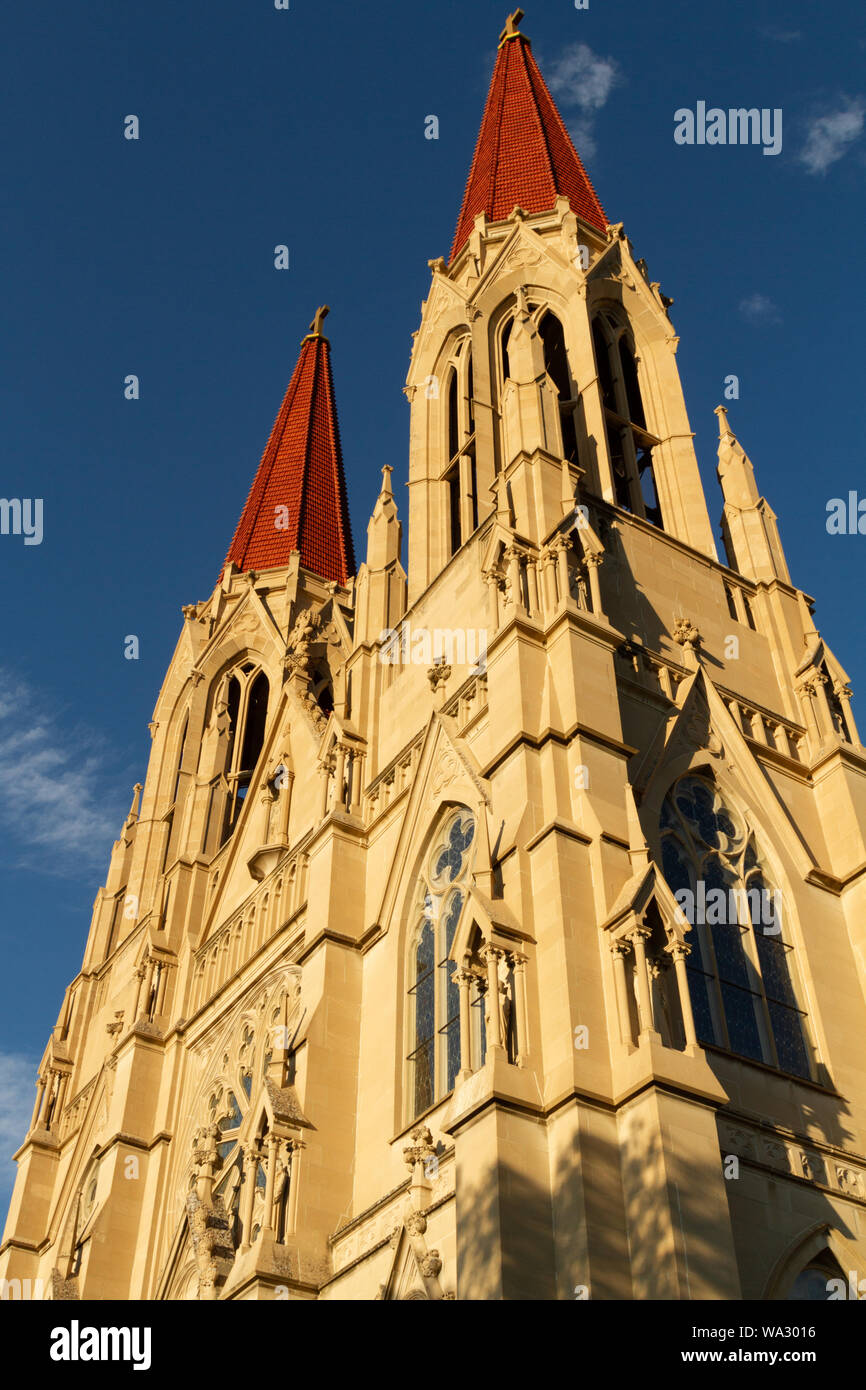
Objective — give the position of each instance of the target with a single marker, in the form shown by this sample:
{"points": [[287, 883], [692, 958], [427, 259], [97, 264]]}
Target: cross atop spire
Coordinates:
{"points": [[524, 156], [511, 30], [316, 326]]}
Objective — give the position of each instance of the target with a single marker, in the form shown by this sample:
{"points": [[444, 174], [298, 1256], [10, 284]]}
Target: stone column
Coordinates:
{"points": [[251, 1164], [161, 991], [270, 1182], [513, 562], [492, 601], [561, 551], [520, 1007], [548, 581], [324, 788], [619, 951], [680, 951], [139, 975], [532, 586], [339, 775], [40, 1092], [818, 692], [812, 731], [639, 938], [357, 781], [294, 1158], [844, 694], [463, 979], [593, 564], [61, 1092], [284, 793], [494, 1019]]}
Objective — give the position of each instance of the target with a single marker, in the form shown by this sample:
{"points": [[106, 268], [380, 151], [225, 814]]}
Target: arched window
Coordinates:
{"points": [[741, 968], [247, 702], [556, 366], [630, 444], [460, 482], [434, 1001], [820, 1281]]}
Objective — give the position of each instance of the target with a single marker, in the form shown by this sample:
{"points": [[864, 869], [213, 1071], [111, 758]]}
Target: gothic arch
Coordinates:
{"points": [[434, 900], [773, 1026], [806, 1248]]}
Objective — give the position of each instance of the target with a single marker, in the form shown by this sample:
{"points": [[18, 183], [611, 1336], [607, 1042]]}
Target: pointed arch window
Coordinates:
{"points": [[820, 1281], [557, 368], [630, 444], [246, 697], [460, 477], [742, 973], [434, 1001]]}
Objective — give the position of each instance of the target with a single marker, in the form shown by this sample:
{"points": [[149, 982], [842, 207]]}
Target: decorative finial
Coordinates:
{"points": [[724, 427], [316, 326], [511, 30]]}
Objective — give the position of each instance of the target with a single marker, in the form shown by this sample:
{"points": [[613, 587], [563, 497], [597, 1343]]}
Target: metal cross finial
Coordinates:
{"points": [[316, 325], [511, 30]]}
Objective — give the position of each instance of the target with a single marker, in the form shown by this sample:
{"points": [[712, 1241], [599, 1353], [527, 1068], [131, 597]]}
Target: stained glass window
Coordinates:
{"points": [[741, 969], [434, 998]]}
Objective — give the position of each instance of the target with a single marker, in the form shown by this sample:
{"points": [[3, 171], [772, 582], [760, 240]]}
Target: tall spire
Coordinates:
{"points": [[524, 156], [298, 497]]}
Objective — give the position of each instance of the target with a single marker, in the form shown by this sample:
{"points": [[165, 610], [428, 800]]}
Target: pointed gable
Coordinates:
{"points": [[302, 471], [524, 156]]}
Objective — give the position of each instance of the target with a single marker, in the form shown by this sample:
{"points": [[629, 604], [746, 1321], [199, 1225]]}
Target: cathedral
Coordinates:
{"points": [[492, 927]]}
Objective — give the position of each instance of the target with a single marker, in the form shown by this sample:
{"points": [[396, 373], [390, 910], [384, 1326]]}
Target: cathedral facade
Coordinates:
{"points": [[492, 928]]}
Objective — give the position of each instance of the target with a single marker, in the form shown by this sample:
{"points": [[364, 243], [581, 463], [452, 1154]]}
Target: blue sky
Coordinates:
{"points": [[306, 127]]}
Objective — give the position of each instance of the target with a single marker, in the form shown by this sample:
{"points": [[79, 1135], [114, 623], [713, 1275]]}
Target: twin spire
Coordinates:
{"points": [[524, 157], [298, 497]]}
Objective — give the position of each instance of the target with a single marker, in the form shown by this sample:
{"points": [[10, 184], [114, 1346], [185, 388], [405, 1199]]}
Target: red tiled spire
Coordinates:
{"points": [[302, 471], [524, 156]]}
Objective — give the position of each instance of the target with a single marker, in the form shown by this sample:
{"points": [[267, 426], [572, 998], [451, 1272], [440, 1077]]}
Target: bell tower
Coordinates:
{"points": [[546, 357]]}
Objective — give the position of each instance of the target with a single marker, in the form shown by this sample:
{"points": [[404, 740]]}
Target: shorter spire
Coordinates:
{"points": [[298, 498]]}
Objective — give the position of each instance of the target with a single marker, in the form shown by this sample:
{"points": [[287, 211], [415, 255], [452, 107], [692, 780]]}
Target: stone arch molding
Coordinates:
{"points": [[447, 774], [703, 733], [807, 1246], [271, 1018]]}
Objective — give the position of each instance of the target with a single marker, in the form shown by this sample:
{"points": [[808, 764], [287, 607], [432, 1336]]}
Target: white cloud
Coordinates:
{"points": [[831, 135], [758, 308], [782, 35], [17, 1094], [581, 83], [52, 783]]}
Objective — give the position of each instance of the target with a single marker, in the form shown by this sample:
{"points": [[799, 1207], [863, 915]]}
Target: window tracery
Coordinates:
{"points": [[741, 967]]}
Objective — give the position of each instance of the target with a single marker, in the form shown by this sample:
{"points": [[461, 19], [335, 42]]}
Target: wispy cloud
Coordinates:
{"points": [[17, 1094], [782, 35], [581, 82], [758, 308], [52, 784], [832, 134]]}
